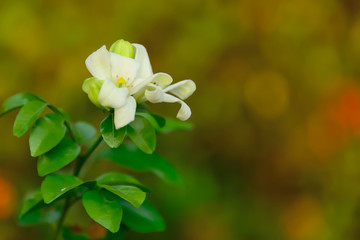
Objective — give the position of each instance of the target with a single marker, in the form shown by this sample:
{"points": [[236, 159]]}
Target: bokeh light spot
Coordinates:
{"points": [[267, 94], [302, 219], [7, 198]]}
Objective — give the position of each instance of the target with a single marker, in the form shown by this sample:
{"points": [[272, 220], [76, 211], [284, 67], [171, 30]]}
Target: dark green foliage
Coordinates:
{"points": [[131, 157], [111, 199]]}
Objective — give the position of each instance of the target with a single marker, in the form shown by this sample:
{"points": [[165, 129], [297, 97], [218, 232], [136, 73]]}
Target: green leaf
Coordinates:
{"points": [[83, 131], [67, 234], [155, 120], [142, 107], [35, 211], [27, 116], [56, 185], [159, 120], [114, 178], [46, 134], [65, 114], [41, 215], [143, 219], [17, 101], [32, 201], [129, 193], [142, 133], [105, 212], [129, 156], [60, 156], [111, 136], [119, 235], [173, 125]]}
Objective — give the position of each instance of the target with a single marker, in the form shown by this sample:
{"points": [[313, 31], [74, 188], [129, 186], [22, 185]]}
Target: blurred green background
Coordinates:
{"points": [[275, 153]]}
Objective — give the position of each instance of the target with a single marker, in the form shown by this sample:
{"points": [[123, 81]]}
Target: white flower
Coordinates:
{"points": [[159, 88], [126, 79]]}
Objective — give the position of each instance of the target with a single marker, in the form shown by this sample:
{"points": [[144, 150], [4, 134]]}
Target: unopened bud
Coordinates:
{"points": [[123, 48]]}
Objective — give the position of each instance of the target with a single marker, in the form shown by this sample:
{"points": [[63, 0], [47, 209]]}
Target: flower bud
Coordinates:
{"points": [[123, 48], [91, 87]]}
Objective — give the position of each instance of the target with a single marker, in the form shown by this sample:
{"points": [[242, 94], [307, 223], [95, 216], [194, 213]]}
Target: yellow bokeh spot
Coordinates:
{"points": [[266, 94], [302, 218]]}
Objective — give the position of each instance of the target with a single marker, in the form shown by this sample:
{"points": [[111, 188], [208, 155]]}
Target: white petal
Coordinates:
{"points": [[183, 89], [125, 114], [112, 96], [184, 112], [123, 67], [162, 79], [142, 57], [98, 64], [139, 85], [155, 94]]}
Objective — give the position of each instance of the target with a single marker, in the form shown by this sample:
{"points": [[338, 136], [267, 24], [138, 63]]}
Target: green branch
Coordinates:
{"points": [[82, 159], [66, 122], [62, 218], [79, 164]]}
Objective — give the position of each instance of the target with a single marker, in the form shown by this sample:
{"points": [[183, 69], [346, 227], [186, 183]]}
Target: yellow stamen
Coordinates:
{"points": [[121, 80]]}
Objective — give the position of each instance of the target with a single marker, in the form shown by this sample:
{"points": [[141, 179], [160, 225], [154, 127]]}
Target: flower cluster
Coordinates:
{"points": [[123, 77]]}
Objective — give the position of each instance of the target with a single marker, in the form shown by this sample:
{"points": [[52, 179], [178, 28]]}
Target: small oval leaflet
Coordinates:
{"points": [[56, 185], [27, 116], [143, 134], [46, 134], [58, 157], [105, 212]]}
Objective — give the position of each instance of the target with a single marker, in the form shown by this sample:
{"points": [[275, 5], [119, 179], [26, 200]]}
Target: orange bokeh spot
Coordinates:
{"points": [[345, 110], [334, 121], [97, 231], [7, 198], [302, 219]]}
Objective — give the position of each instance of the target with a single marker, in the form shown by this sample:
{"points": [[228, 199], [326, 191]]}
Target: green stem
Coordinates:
{"points": [[66, 122], [79, 164], [62, 218], [82, 159]]}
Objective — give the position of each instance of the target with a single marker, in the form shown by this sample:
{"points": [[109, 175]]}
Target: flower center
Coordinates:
{"points": [[121, 81]]}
